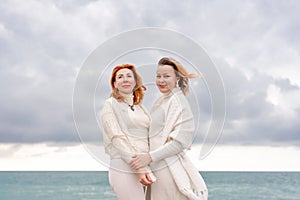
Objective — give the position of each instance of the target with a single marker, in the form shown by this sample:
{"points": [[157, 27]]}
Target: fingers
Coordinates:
{"points": [[133, 161], [139, 161], [145, 183], [135, 164], [149, 178], [144, 180]]}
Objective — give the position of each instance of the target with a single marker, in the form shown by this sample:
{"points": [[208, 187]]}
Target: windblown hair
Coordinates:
{"points": [[138, 91], [180, 72]]}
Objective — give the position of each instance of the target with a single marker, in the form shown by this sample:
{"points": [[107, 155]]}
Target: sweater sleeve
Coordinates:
{"points": [[179, 126], [169, 149], [113, 134]]}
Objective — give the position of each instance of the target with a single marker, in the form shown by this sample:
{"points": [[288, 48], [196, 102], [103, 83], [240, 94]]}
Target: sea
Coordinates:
{"points": [[94, 185]]}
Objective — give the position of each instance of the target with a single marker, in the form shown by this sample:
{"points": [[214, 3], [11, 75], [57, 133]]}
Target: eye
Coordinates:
{"points": [[120, 76], [158, 76]]}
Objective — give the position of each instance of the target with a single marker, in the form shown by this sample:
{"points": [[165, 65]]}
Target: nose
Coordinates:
{"points": [[160, 79], [125, 79]]}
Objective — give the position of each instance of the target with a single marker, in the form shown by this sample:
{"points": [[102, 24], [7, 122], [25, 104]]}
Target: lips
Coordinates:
{"points": [[162, 86]]}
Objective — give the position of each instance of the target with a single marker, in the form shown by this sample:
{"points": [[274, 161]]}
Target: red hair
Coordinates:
{"points": [[139, 88]]}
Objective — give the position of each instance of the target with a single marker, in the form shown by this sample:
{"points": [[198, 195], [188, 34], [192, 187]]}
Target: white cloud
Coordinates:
{"points": [[248, 158], [47, 157], [68, 157]]}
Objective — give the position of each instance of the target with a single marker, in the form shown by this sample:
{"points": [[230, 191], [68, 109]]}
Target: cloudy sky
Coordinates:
{"points": [[254, 44]]}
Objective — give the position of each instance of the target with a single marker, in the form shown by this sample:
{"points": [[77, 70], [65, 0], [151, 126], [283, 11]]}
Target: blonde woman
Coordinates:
{"points": [[171, 133]]}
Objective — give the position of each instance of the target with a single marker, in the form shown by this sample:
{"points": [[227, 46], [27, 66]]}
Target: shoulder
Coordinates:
{"points": [[108, 105], [178, 97], [111, 101], [179, 100], [108, 102]]}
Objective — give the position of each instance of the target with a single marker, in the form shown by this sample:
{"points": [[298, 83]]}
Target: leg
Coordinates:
{"points": [[126, 186], [165, 187]]}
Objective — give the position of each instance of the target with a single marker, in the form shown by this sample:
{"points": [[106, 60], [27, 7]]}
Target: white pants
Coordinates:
{"points": [[126, 185], [165, 187]]}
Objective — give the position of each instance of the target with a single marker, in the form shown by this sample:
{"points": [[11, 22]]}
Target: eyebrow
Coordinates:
{"points": [[129, 73]]}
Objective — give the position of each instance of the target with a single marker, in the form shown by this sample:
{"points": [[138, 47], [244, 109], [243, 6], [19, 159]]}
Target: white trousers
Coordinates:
{"points": [[126, 185], [165, 187]]}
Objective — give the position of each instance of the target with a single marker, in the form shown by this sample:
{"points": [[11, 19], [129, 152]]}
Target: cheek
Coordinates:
{"points": [[170, 82], [133, 81], [117, 83]]}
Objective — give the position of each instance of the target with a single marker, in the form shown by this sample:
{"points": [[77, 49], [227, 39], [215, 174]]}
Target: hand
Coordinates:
{"points": [[140, 161], [143, 177]]}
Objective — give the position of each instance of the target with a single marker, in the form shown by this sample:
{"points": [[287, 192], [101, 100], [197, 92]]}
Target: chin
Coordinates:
{"points": [[164, 91], [126, 91]]}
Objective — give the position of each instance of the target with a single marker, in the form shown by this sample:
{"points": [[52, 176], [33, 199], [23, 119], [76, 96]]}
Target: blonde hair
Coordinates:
{"points": [[180, 72], [138, 93]]}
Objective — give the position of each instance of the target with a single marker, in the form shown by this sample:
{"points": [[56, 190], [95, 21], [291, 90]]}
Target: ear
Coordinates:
{"points": [[115, 84]]}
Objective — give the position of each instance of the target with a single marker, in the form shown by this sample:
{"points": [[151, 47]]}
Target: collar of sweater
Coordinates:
{"points": [[173, 91]]}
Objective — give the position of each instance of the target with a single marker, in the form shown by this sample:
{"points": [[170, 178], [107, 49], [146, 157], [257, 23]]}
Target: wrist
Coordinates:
{"points": [[150, 157]]}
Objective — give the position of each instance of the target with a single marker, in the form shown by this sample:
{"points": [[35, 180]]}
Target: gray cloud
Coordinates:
{"points": [[255, 44], [251, 117]]}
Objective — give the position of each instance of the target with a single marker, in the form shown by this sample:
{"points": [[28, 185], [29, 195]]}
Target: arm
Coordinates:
{"points": [[169, 149], [113, 134], [179, 126]]}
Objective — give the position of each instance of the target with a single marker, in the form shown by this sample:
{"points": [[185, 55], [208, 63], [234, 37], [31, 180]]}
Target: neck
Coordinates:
{"points": [[171, 92], [128, 98]]}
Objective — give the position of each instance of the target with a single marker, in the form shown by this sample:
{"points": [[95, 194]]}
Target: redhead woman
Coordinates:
{"points": [[125, 124], [170, 134]]}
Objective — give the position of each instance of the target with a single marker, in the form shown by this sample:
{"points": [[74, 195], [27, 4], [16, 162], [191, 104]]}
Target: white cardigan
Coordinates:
{"points": [[171, 133], [125, 132]]}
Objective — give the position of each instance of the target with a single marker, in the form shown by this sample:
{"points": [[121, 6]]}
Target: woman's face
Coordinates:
{"points": [[166, 78], [125, 81]]}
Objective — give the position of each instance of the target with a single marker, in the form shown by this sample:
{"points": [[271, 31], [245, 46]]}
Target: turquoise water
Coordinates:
{"points": [[94, 185]]}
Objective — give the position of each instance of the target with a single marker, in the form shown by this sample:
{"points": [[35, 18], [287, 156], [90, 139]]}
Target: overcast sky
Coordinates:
{"points": [[254, 44]]}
